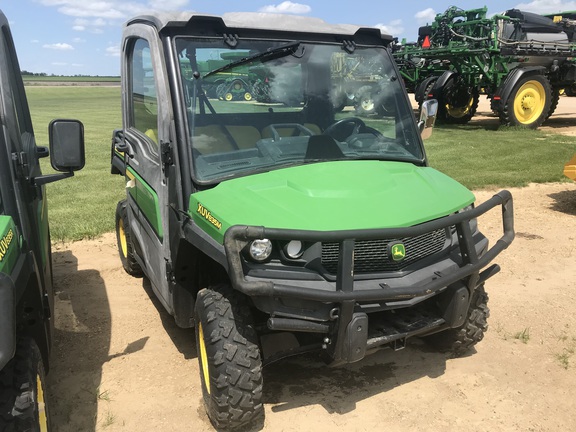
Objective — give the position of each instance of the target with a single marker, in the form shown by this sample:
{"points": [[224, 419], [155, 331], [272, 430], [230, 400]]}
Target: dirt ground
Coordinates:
{"points": [[121, 364]]}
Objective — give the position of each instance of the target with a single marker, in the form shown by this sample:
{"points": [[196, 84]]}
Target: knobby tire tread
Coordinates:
{"points": [[18, 392], [458, 341], [234, 362]]}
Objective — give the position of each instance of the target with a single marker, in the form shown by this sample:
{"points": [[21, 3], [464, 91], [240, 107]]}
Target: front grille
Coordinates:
{"points": [[371, 256]]}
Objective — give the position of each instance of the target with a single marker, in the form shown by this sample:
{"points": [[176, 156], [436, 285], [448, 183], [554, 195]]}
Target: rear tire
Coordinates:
{"points": [[23, 405], [124, 241], [459, 340], [229, 358], [554, 99], [529, 103]]}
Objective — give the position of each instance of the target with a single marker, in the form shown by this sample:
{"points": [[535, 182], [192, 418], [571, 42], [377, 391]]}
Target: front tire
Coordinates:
{"points": [[23, 405], [229, 358], [529, 103], [124, 241], [459, 340]]}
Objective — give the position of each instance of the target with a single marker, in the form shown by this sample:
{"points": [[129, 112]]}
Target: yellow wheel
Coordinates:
{"points": [[248, 96], [122, 238], [458, 112], [458, 101], [124, 241], [529, 103], [42, 412], [228, 97], [203, 358]]}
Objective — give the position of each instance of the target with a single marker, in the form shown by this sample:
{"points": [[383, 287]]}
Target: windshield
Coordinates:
{"points": [[267, 105]]}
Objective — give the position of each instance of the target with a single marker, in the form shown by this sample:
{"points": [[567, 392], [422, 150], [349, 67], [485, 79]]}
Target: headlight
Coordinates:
{"points": [[294, 249], [260, 250]]}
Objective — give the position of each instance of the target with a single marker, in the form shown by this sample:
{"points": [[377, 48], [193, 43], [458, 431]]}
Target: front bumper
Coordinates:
{"points": [[347, 292]]}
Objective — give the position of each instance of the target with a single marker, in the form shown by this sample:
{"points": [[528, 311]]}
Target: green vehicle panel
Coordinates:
{"points": [[332, 196], [26, 285], [9, 244], [146, 199]]}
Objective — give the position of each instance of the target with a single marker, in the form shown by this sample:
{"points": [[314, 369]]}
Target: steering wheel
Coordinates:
{"points": [[354, 139], [335, 127]]}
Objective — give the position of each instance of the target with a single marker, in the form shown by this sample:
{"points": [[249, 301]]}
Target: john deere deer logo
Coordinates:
{"points": [[397, 251]]}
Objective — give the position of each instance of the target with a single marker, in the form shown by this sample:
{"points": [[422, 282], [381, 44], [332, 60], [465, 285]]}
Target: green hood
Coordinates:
{"points": [[330, 196]]}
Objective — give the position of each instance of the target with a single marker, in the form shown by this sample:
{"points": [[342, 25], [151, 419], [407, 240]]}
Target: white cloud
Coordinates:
{"points": [[34, 41], [59, 64], [167, 5], [546, 6], [393, 28], [78, 40], [287, 7], [112, 9], [425, 16], [91, 25], [113, 51], [59, 46]]}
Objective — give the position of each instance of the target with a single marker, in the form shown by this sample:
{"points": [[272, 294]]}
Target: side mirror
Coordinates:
{"points": [[428, 114], [66, 145]]}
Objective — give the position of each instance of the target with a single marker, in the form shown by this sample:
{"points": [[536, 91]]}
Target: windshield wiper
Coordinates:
{"points": [[270, 54]]}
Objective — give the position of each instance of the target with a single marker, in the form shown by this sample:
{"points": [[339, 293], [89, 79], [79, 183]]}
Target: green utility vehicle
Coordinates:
{"points": [[26, 291], [520, 60], [276, 229]]}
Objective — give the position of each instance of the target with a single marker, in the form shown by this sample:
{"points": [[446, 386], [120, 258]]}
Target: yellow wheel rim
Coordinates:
{"points": [[122, 236], [42, 417], [247, 96], [203, 358], [529, 102], [459, 112], [228, 97]]}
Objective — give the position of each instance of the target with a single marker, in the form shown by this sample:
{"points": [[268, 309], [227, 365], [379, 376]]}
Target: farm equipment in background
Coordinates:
{"points": [[520, 60], [356, 82], [235, 89]]}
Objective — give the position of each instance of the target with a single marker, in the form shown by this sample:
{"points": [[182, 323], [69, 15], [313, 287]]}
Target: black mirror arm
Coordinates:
{"points": [[49, 178]]}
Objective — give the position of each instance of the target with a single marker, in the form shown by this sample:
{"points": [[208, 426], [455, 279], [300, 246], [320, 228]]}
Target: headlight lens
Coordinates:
{"points": [[260, 250], [293, 249]]}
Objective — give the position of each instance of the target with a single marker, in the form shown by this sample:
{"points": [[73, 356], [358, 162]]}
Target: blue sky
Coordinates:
{"points": [[70, 37]]}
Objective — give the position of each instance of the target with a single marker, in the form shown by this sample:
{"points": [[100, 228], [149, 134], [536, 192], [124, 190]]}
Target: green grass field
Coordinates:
{"points": [[83, 206], [69, 79]]}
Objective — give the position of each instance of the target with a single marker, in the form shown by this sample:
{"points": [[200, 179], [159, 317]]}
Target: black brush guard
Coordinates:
{"points": [[352, 330]]}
